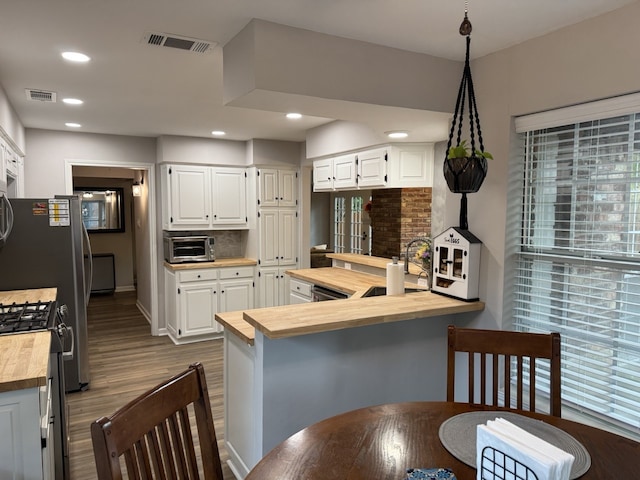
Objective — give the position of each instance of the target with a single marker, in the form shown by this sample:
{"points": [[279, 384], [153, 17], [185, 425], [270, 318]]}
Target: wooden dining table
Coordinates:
{"points": [[382, 442]]}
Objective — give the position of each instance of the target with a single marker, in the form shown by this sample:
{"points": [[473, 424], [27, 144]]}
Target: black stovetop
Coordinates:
{"points": [[26, 317]]}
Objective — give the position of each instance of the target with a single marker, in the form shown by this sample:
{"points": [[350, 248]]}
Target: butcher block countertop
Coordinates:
{"points": [[24, 357], [347, 281], [235, 322], [316, 317], [219, 263]]}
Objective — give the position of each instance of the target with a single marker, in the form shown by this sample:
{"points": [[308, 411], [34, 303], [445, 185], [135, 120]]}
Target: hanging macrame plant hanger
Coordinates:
{"points": [[465, 174]]}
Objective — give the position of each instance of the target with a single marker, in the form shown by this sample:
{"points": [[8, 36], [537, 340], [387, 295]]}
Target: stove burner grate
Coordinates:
{"points": [[26, 317]]}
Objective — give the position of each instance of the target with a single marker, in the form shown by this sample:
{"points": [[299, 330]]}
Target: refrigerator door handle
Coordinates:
{"points": [[88, 283], [5, 204]]}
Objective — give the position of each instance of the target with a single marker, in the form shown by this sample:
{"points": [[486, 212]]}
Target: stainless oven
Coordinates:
{"points": [[188, 248]]}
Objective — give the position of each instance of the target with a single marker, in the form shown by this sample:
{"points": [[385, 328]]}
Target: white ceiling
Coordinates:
{"points": [[131, 88]]}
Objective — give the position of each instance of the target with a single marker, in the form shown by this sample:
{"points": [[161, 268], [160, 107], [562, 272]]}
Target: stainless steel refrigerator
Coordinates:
{"points": [[45, 248]]}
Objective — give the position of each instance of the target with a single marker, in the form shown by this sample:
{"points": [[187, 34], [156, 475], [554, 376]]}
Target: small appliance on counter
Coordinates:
{"points": [[456, 264], [186, 247]]}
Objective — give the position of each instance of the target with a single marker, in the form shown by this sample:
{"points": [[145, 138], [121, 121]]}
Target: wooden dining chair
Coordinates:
{"points": [[151, 436], [498, 351]]}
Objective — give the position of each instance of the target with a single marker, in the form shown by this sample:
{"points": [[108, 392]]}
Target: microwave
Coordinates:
{"points": [[190, 248]]}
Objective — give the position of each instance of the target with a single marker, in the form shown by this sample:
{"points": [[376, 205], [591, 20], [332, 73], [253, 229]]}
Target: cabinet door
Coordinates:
{"points": [[287, 243], [229, 192], [323, 175], [372, 168], [344, 171], [189, 196], [236, 295], [268, 282], [411, 166], [268, 189], [269, 248], [198, 306], [288, 188]]}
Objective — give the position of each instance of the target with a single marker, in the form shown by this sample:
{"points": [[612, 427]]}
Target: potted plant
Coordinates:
{"points": [[465, 170]]}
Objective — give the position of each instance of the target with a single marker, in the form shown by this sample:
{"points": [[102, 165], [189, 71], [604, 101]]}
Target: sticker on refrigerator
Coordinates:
{"points": [[59, 212], [39, 208]]}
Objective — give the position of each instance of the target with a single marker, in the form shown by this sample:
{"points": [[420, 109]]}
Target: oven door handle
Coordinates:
{"points": [[68, 354]]}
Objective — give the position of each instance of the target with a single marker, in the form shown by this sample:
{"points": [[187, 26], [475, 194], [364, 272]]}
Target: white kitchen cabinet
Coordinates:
{"points": [[273, 285], [323, 175], [410, 166], [203, 197], [299, 291], [229, 197], [26, 443], [345, 172], [278, 237], [277, 187], [186, 202], [236, 289], [372, 168], [391, 166], [193, 297]]}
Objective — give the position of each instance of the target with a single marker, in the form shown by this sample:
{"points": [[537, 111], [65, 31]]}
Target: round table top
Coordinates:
{"points": [[382, 442]]}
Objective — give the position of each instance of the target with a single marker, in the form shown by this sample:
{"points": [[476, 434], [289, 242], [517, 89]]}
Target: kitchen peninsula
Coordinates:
{"points": [[290, 366]]}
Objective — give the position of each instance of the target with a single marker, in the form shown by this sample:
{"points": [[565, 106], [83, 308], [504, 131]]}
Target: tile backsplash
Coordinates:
{"points": [[229, 243]]}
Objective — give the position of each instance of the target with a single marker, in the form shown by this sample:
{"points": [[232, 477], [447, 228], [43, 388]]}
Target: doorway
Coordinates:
{"points": [[144, 226]]}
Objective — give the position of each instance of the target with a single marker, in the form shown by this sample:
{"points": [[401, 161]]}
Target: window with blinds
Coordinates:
{"points": [[577, 267]]}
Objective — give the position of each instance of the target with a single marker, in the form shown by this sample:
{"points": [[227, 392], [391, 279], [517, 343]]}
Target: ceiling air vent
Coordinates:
{"points": [[40, 95], [179, 42]]}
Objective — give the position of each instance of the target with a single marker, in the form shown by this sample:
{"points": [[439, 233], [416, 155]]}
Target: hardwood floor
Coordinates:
{"points": [[125, 361]]}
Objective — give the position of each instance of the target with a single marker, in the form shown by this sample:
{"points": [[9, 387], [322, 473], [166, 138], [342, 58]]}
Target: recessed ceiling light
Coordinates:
{"points": [[218, 133], [72, 101], [294, 116], [397, 134], [75, 56], [73, 125]]}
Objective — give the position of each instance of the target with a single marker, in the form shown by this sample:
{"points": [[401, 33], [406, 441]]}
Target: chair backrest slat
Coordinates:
{"points": [[517, 349], [154, 434]]}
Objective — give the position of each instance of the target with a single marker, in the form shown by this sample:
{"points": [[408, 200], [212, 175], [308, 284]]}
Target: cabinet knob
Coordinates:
{"points": [[237, 273], [198, 275]]}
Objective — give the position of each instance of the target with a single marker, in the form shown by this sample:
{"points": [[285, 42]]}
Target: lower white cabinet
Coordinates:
{"points": [[300, 292], [26, 443], [273, 286], [193, 297]]}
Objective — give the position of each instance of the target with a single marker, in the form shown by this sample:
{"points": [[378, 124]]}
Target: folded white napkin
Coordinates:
{"points": [[545, 460]]}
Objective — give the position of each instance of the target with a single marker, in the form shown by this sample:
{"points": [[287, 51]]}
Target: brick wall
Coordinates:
{"points": [[397, 216]]}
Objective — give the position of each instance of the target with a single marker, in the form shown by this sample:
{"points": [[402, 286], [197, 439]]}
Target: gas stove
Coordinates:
{"points": [[27, 317]]}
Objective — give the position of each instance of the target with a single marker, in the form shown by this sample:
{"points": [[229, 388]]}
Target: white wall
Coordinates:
{"points": [[10, 124], [45, 176]]}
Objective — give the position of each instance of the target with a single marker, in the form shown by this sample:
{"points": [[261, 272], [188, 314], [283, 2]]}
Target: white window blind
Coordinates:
{"points": [[577, 267]]}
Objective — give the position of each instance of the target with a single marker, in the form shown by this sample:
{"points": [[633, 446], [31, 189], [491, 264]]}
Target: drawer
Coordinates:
{"points": [[198, 275], [302, 288], [236, 272]]}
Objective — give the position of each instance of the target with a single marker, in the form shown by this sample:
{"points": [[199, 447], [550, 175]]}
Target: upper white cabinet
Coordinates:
{"points": [[11, 171], [277, 188], [203, 197], [392, 166]]}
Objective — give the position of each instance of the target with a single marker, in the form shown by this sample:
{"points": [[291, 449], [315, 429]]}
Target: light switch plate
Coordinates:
{"points": [[347, 266]]}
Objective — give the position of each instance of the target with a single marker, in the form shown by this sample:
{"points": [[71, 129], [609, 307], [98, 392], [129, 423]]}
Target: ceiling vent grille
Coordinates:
{"points": [[178, 42], [40, 95]]}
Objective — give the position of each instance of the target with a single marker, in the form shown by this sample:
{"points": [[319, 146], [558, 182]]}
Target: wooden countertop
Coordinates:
{"points": [[376, 262], [316, 317], [32, 295], [347, 281], [219, 263], [235, 322], [24, 360], [24, 357]]}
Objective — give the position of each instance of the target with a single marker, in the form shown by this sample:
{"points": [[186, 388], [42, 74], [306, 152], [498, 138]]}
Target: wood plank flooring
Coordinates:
{"points": [[125, 361]]}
